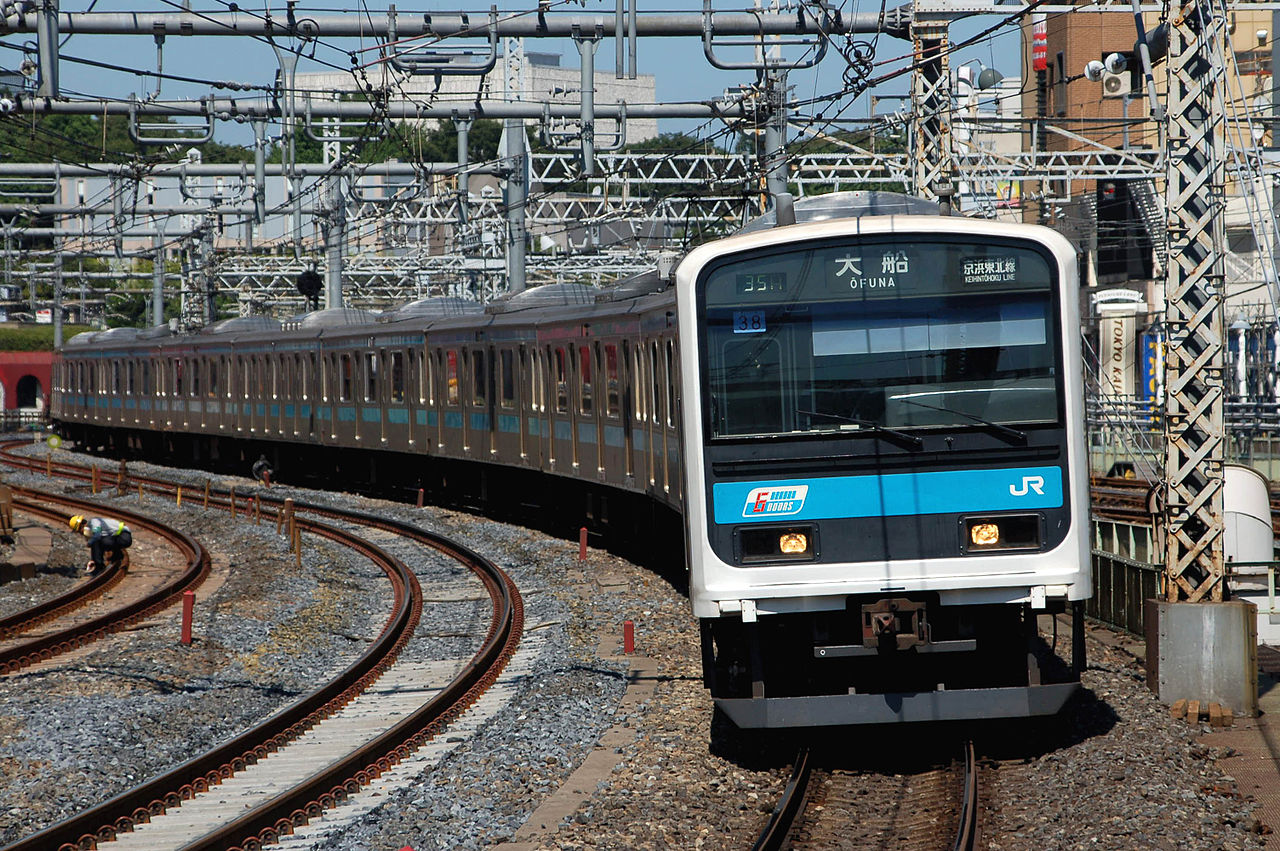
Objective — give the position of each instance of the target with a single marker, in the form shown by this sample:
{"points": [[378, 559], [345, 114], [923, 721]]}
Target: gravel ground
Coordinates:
{"points": [[1115, 772]]}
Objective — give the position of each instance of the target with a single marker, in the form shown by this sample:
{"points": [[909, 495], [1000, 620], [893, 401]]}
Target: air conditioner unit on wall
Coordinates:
{"points": [[1116, 85]]}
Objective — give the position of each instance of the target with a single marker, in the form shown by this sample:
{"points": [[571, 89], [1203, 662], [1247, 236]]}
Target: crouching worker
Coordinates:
{"points": [[263, 471], [106, 538]]}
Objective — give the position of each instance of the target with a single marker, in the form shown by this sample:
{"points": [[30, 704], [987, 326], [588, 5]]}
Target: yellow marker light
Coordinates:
{"points": [[984, 534], [793, 543]]}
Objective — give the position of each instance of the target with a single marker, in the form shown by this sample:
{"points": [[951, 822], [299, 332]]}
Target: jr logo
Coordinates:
{"points": [[1029, 483]]}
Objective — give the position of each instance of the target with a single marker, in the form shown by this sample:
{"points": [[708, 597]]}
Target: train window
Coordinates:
{"points": [[273, 366], [194, 367], [584, 372], [671, 383], [213, 378], [260, 389], [326, 371], [397, 376], [562, 388], [451, 376], [344, 378], [115, 378], [508, 378], [246, 373], [612, 403], [371, 377], [128, 378], [479, 379], [177, 377]]}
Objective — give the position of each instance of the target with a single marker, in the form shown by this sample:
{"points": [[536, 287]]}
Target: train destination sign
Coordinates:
{"points": [[884, 268]]}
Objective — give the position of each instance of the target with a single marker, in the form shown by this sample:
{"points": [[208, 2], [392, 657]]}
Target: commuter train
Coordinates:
{"points": [[869, 426]]}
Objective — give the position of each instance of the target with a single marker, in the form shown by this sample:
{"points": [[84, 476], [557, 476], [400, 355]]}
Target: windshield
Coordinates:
{"points": [[887, 333]]}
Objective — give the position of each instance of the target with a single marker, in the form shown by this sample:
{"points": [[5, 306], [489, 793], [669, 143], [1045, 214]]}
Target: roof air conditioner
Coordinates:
{"points": [[1116, 85]]}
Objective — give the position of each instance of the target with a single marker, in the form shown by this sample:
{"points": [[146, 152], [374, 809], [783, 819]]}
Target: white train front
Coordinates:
{"points": [[884, 468]]}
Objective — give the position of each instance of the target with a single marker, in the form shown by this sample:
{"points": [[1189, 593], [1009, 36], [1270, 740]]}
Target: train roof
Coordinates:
{"points": [[848, 205], [435, 307]]}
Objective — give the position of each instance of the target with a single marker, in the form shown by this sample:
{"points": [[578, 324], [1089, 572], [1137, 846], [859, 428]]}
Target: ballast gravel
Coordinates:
{"points": [[1115, 772]]}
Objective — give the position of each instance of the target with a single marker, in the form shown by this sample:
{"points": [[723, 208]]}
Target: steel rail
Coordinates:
{"points": [[55, 607], [62, 641], [968, 835], [783, 818], [267, 823], [155, 796]]}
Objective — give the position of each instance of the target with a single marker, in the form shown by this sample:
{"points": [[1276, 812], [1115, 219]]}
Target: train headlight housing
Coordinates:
{"points": [[1008, 532], [775, 544], [793, 543], [984, 534]]}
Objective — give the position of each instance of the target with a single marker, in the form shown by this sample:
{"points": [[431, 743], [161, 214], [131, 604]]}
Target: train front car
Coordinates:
{"points": [[885, 469]]}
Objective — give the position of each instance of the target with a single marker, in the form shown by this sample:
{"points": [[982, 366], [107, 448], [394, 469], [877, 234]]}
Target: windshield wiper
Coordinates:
{"points": [[1004, 430], [868, 425]]}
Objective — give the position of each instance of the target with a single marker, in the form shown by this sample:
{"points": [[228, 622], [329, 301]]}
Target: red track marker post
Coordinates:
{"points": [[421, 495], [582, 544], [628, 637], [188, 610]]}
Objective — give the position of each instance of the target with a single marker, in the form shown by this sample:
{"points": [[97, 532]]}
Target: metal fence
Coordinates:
{"points": [[22, 419], [1123, 574], [1120, 585]]}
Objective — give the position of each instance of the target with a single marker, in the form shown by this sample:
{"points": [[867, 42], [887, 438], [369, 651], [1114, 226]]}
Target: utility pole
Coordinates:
{"points": [[516, 196], [157, 277], [775, 133], [47, 49], [334, 226]]}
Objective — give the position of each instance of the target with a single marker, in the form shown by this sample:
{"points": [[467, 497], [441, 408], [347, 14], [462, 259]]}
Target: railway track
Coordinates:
{"points": [[329, 774], [73, 619], [836, 808]]}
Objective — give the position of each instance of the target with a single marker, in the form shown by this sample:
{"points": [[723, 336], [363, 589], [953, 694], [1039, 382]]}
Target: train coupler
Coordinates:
{"points": [[892, 625]]}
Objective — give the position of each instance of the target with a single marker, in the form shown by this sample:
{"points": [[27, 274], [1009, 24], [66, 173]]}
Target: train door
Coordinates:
{"points": [[466, 398], [524, 400], [630, 412], [280, 379], [454, 436], [501, 440], [593, 356], [370, 409], [563, 445], [612, 415], [653, 389], [671, 450], [535, 409]]}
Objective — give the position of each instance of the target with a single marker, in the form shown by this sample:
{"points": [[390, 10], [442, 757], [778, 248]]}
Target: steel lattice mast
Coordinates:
{"points": [[1194, 432]]}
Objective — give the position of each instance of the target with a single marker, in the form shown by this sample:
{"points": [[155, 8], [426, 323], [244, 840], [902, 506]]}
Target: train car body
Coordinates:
{"points": [[885, 472], [870, 429]]}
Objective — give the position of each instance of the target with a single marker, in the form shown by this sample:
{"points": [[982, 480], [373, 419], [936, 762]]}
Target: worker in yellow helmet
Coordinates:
{"points": [[106, 537]]}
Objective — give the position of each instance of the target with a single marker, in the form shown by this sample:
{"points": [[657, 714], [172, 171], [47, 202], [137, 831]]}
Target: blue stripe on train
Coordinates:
{"points": [[896, 494]]}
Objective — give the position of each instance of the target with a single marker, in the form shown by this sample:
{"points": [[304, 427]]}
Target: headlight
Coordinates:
{"points": [[793, 543], [775, 544], [1011, 532]]}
